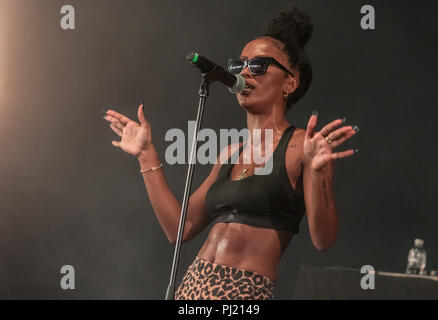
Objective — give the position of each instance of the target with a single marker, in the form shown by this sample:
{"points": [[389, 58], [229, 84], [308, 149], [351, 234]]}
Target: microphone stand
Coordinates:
{"points": [[207, 79]]}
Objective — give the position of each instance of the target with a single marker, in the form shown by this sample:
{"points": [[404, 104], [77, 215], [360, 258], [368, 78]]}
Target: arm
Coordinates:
{"points": [[322, 215], [166, 207], [136, 140], [318, 174]]}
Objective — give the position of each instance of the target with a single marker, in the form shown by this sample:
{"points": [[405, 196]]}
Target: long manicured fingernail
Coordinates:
{"points": [[344, 119], [356, 128], [142, 104], [356, 150], [315, 113]]}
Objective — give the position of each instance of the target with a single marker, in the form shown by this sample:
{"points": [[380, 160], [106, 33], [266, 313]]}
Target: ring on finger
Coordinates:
{"points": [[328, 140]]}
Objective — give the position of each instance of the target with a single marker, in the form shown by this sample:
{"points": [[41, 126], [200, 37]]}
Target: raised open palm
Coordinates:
{"points": [[318, 146], [135, 137]]}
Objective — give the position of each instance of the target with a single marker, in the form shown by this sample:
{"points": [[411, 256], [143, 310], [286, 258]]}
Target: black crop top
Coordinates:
{"points": [[267, 201]]}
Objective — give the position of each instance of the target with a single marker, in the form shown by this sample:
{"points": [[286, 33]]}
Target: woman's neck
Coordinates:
{"points": [[275, 120]]}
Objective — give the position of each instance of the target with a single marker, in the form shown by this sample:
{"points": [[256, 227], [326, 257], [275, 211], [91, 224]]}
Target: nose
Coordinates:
{"points": [[245, 72]]}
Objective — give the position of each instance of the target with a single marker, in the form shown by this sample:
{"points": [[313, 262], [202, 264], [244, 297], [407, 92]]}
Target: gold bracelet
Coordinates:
{"points": [[152, 169]]}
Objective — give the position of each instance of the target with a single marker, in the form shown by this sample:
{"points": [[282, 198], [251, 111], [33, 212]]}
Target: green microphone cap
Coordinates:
{"points": [[192, 57]]}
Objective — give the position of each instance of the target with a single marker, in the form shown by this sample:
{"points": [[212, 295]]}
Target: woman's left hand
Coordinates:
{"points": [[318, 146]]}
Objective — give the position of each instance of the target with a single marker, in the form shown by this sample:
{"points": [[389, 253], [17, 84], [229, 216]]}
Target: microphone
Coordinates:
{"points": [[234, 82]]}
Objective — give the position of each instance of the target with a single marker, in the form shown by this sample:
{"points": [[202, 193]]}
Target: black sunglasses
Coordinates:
{"points": [[257, 66]]}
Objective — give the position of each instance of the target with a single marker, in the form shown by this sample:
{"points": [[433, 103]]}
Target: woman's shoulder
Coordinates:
{"points": [[295, 145], [298, 135], [299, 131]]}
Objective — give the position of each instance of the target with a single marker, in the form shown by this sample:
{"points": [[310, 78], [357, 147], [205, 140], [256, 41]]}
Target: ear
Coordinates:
{"points": [[291, 84]]}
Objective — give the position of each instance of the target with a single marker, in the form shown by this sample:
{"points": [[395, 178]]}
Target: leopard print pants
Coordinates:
{"points": [[210, 281]]}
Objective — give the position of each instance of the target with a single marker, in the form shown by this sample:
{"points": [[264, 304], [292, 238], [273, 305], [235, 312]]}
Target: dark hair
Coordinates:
{"points": [[293, 29]]}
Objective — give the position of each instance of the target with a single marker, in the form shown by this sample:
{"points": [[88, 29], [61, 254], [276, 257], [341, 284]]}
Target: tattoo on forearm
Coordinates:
{"points": [[325, 193]]}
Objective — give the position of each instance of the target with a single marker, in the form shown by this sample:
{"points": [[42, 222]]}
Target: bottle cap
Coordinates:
{"points": [[419, 242]]}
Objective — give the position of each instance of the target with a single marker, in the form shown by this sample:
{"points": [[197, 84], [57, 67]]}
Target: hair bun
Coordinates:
{"points": [[292, 23]]}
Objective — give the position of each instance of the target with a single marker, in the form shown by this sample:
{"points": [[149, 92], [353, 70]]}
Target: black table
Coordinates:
{"points": [[345, 283]]}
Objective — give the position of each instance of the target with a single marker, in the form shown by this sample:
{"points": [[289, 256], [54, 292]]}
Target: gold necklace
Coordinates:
{"points": [[243, 174], [245, 170]]}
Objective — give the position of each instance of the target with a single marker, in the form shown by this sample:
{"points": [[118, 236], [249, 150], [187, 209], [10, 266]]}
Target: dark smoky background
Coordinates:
{"points": [[68, 197]]}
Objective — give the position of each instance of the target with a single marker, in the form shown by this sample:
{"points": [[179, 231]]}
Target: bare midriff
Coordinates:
{"points": [[246, 247]]}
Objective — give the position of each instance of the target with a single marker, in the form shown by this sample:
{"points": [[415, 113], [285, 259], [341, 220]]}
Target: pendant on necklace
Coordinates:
{"points": [[243, 174]]}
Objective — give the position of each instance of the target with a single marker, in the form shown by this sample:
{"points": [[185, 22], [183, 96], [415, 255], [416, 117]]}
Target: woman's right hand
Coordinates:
{"points": [[136, 138]]}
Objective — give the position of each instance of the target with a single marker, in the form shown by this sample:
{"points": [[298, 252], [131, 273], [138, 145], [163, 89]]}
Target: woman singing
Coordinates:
{"points": [[253, 217]]}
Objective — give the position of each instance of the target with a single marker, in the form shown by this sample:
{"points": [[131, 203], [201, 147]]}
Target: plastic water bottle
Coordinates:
{"points": [[416, 258]]}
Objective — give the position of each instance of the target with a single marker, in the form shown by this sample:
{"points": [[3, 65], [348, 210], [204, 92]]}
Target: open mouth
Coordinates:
{"points": [[248, 87]]}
